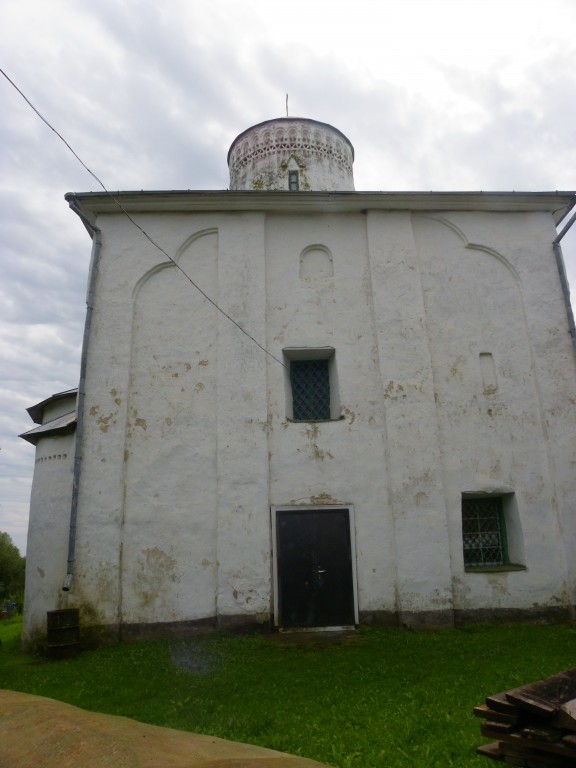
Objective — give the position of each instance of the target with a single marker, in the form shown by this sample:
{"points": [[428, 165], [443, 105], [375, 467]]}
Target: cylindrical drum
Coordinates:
{"points": [[293, 154]]}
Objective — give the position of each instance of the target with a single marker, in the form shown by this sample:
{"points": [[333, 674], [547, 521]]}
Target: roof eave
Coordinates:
{"points": [[60, 426], [558, 203]]}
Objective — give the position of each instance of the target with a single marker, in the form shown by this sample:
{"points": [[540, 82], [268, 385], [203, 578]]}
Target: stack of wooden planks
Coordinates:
{"points": [[535, 726]]}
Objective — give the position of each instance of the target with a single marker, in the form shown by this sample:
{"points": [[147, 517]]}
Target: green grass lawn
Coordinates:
{"points": [[389, 697]]}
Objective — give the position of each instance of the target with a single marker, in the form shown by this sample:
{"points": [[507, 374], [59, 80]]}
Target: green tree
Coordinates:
{"points": [[12, 566]]}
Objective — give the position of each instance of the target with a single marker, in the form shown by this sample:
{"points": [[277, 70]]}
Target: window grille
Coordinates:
{"points": [[310, 389], [293, 184], [484, 533]]}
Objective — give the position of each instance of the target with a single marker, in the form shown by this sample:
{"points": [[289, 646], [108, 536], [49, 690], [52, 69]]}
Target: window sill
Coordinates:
{"points": [[314, 421], [493, 568]]}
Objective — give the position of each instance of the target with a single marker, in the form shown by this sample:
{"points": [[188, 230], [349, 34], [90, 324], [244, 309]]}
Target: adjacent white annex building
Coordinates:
{"points": [[389, 438]]}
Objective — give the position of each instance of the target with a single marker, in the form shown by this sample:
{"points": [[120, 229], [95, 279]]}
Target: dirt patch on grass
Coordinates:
{"points": [[35, 731]]}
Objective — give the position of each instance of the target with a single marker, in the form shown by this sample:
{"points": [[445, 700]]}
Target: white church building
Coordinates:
{"points": [[304, 406]]}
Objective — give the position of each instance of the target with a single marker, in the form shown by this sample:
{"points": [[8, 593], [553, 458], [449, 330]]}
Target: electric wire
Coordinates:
{"points": [[135, 223]]}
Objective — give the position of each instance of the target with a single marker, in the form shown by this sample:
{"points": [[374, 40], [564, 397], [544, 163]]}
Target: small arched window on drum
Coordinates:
{"points": [[316, 261]]}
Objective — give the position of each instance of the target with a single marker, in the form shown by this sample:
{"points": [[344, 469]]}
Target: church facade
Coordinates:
{"points": [[304, 406]]}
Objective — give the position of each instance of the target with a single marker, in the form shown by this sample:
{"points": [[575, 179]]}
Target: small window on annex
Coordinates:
{"points": [[293, 181], [491, 533], [311, 384]]}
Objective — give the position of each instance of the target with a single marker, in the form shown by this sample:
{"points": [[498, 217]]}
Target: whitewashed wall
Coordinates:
{"points": [[187, 443]]}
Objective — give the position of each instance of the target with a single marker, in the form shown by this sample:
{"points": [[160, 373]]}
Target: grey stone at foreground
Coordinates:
{"points": [[36, 732]]}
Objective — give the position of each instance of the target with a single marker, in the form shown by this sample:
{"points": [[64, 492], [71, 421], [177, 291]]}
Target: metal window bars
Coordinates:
{"points": [[310, 390], [483, 532]]}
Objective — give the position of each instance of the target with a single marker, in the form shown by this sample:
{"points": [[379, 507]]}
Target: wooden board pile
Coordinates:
{"points": [[535, 726]]}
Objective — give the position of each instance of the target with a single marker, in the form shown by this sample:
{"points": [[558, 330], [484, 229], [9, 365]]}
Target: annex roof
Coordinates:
{"points": [[63, 424], [36, 412]]}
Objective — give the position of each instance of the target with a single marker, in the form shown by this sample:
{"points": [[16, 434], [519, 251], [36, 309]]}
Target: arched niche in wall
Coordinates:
{"points": [[486, 392], [316, 261], [173, 331], [170, 438], [475, 313], [491, 424]]}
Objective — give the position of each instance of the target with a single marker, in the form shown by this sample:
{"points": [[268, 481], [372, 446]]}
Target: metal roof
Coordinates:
{"points": [[36, 412], [90, 204], [63, 424]]}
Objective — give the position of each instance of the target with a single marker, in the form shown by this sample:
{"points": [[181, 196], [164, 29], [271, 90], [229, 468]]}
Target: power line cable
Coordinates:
{"points": [[135, 223]]}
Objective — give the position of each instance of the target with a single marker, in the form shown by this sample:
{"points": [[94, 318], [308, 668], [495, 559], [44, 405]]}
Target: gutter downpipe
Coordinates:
{"points": [[96, 235], [564, 279], [571, 325]]}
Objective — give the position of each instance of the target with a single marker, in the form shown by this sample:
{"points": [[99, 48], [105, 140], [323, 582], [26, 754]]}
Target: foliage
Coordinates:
{"points": [[393, 697], [12, 567]]}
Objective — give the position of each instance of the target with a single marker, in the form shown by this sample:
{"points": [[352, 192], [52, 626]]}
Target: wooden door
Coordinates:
{"points": [[314, 561]]}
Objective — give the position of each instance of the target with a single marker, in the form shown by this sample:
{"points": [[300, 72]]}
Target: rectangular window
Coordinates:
{"points": [[311, 384], [484, 532], [310, 389], [293, 184]]}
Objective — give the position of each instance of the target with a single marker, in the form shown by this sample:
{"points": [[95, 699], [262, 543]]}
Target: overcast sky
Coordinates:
{"points": [[433, 94]]}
